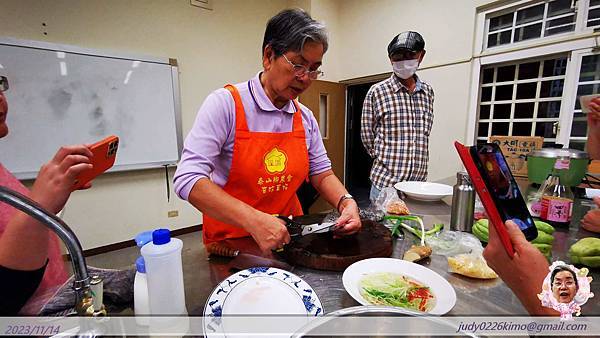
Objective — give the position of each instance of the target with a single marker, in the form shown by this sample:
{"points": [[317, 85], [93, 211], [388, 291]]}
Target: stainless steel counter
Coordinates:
{"points": [[474, 297]]}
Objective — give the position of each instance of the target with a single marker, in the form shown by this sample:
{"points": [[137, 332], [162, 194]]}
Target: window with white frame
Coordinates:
{"points": [[593, 15], [531, 22], [588, 83], [521, 98], [529, 88]]}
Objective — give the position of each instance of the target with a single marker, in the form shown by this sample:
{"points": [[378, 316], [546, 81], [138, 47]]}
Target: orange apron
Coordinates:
{"points": [[266, 170]]}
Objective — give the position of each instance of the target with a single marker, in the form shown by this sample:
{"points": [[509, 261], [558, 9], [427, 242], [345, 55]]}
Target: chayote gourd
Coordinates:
{"points": [[543, 238], [586, 252], [543, 241], [545, 227]]}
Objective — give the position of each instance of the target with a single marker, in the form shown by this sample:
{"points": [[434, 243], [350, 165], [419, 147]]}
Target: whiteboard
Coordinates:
{"points": [[62, 95]]}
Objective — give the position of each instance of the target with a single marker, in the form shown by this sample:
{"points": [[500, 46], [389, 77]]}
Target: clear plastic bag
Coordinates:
{"points": [[452, 243], [331, 217], [471, 265], [464, 252], [389, 202], [371, 213]]}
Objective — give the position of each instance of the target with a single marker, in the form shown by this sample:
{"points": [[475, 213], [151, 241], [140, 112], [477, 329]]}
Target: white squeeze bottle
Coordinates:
{"points": [[140, 293], [164, 274]]}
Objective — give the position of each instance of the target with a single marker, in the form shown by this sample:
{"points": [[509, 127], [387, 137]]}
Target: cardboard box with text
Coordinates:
{"points": [[515, 150]]}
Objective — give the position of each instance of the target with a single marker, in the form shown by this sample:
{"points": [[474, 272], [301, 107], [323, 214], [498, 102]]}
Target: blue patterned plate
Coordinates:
{"points": [[259, 291]]}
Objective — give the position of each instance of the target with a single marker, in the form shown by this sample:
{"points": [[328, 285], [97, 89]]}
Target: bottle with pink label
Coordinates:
{"points": [[557, 198]]}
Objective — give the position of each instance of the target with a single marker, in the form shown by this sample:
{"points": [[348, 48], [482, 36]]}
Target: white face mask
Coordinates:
{"points": [[405, 69]]}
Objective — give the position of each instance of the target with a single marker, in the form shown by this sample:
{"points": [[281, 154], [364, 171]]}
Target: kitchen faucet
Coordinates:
{"points": [[88, 291]]}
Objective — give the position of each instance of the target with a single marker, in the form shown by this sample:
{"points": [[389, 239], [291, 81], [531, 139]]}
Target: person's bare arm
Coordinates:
{"points": [[268, 231], [330, 187], [593, 143], [24, 244], [523, 273]]}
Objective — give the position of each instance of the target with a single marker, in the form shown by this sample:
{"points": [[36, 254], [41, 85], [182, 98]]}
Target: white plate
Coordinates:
{"points": [[259, 291], [445, 296], [424, 191]]}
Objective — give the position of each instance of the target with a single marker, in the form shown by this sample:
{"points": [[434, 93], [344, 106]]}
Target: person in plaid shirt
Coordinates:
{"points": [[397, 117]]}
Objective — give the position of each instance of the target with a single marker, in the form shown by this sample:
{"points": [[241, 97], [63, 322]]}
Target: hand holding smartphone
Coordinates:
{"points": [[104, 156], [497, 190]]}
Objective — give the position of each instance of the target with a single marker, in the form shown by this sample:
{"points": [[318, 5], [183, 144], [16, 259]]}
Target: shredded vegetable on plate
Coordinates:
{"points": [[391, 289]]}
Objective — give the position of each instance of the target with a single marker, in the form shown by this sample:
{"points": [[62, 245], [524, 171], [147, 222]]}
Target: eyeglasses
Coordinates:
{"points": [[300, 70], [567, 283], [3, 83]]}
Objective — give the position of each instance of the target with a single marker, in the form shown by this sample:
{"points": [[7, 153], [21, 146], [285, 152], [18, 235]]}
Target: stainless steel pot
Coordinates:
{"points": [[381, 322], [540, 163]]}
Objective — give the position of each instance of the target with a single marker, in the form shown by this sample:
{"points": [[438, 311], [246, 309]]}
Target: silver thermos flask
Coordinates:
{"points": [[463, 203]]}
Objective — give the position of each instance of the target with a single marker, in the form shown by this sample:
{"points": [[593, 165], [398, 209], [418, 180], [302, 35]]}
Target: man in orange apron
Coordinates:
{"points": [[252, 145]]}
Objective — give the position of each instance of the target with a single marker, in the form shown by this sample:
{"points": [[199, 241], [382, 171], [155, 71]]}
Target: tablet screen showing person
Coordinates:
{"points": [[503, 188]]}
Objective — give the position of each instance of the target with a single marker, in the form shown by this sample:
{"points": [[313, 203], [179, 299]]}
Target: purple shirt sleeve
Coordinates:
{"points": [[202, 146], [208, 148]]}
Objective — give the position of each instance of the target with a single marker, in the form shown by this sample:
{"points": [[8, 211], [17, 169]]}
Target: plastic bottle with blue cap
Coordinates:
{"points": [[141, 306], [164, 274]]}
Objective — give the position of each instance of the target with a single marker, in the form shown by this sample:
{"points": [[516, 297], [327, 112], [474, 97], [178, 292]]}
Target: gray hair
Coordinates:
{"points": [[290, 29]]}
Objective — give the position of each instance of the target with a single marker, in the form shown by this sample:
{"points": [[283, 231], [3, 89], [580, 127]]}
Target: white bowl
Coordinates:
{"points": [[424, 191]]}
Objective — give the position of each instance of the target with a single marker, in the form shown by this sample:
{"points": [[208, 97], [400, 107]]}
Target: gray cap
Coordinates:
{"points": [[406, 41]]}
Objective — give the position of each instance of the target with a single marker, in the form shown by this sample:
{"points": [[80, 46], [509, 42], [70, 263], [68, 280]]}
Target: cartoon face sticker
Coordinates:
{"points": [[565, 289]]}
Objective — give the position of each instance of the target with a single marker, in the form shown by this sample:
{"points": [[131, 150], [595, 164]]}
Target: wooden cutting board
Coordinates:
{"points": [[323, 252]]}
